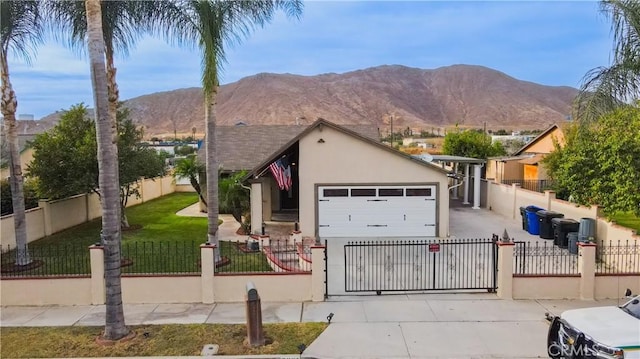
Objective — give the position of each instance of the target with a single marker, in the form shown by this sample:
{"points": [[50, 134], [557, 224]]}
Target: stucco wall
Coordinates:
{"points": [[545, 144], [35, 227], [342, 159], [546, 287], [46, 291], [614, 286], [271, 287], [166, 289]]}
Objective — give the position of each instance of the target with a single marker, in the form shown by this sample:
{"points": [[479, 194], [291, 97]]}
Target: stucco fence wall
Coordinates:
{"points": [[507, 200], [206, 287], [54, 216]]}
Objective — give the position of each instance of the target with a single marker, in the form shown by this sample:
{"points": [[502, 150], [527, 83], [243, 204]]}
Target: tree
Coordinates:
{"points": [[607, 88], [21, 31], [108, 180], [470, 143], [122, 22], [191, 168], [66, 164], [234, 198], [212, 25], [600, 163]]}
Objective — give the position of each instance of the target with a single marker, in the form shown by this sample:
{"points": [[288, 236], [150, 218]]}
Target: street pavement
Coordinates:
{"points": [[425, 325]]}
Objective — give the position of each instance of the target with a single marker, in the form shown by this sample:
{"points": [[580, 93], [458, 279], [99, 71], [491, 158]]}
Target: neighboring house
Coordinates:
{"points": [[26, 154], [344, 184], [525, 164]]}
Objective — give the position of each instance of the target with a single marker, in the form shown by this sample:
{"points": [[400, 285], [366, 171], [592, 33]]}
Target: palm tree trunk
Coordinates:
{"points": [[108, 175], [9, 106], [212, 171]]}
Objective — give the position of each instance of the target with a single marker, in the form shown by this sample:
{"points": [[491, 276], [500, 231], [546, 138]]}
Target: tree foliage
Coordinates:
{"points": [[471, 143], [30, 197], [192, 169], [234, 198], [600, 163], [65, 159]]}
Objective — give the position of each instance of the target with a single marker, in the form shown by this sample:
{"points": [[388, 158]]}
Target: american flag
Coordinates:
{"points": [[277, 170]]}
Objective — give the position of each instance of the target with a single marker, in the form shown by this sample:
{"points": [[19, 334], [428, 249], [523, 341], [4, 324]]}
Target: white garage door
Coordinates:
{"points": [[379, 211]]}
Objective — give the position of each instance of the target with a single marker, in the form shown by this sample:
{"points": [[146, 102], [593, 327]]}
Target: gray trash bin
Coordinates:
{"points": [[573, 242], [587, 230]]}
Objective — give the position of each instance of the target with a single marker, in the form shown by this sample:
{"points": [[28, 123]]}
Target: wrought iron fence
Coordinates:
{"points": [[278, 255], [543, 258], [532, 185], [50, 260], [620, 257], [177, 257]]}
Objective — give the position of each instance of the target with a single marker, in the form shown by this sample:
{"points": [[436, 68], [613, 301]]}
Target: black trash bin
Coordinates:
{"points": [[523, 214], [545, 217], [562, 227]]}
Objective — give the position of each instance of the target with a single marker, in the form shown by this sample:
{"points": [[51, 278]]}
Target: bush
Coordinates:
{"points": [[30, 197]]}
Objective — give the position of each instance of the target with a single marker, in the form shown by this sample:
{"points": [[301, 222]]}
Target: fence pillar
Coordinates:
{"points": [[476, 185], [96, 257], [587, 270], [318, 275], [505, 269], [46, 210], [515, 187], [256, 207], [207, 272], [549, 196]]}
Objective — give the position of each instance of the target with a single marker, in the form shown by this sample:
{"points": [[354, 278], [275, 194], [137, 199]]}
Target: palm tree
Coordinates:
{"points": [[191, 169], [21, 32], [606, 88], [212, 24], [108, 175]]}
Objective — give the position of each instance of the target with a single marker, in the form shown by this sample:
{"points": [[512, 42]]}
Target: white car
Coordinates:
{"points": [[597, 333]]}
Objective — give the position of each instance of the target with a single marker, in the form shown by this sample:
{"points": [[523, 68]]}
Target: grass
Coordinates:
{"points": [[627, 219], [166, 243], [160, 340]]}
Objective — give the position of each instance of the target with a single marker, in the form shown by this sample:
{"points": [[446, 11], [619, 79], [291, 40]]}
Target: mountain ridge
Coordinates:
{"points": [[464, 95]]}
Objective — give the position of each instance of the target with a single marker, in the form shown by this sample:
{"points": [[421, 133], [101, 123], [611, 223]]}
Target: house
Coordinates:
{"points": [[26, 154], [344, 184], [525, 164]]}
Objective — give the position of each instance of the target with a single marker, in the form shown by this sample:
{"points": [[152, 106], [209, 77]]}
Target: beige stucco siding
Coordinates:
{"points": [[343, 159], [545, 143]]}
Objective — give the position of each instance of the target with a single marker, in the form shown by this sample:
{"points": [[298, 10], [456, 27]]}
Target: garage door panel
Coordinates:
{"points": [[383, 215]]}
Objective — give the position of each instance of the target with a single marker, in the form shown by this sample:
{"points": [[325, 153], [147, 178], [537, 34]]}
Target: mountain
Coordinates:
{"points": [[467, 95]]}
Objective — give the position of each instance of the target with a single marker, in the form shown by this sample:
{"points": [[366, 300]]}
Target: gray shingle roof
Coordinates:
{"points": [[244, 147]]}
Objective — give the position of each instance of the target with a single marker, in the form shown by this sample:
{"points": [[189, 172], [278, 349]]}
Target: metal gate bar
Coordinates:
{"points": [[420, 265]]}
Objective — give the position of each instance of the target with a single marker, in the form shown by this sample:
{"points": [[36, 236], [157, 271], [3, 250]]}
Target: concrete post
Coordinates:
{"points": [[466, 184], [96, 258], [255, 332], [587, 270], [454, 195], [207, 272], [318, 274], [256, 207], [514, 207], [505, 269], [46, 214], [549, 196], [476, 186]]}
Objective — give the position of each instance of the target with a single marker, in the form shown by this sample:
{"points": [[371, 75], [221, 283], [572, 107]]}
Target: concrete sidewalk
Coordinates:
{"points": [[462, 325]]}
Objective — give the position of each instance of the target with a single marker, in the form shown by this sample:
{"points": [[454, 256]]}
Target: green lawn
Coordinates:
{"points": [[154, 340], [166, 243], [627, 219]]}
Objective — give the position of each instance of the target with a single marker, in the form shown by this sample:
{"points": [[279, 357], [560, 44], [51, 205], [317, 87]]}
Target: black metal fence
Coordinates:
{"points": [[179, 257], [543, 258], [260, 256], [620, 257], [532, 185], [47, 261], [420, 265]]}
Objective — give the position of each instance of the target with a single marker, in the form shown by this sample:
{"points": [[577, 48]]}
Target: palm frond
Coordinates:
{"points": [[21, 28]]}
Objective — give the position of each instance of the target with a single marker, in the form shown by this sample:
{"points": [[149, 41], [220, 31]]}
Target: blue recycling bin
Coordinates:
{"points": [[533, 224]]}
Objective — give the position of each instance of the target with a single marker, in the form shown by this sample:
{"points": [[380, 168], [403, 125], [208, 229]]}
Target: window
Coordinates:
{"points": [[391, 192], [418, 192], [337, 192], [363, 192]]}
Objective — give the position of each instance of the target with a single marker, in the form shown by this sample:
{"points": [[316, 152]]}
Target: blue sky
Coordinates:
{"points": [[547, 42]]}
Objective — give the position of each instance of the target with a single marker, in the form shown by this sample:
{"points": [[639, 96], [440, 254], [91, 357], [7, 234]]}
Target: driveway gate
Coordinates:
{"points": [[417, 265]]}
